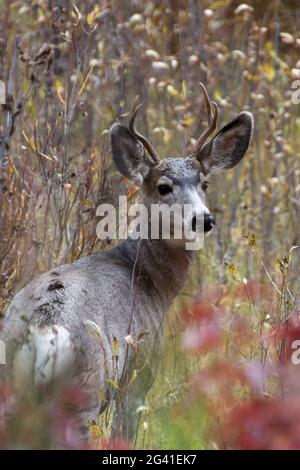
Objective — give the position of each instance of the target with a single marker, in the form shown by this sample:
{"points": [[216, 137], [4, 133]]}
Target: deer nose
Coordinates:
{"points": [[209, 222]]}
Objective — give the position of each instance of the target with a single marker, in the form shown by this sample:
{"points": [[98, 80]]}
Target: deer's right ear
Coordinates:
{"points": [[229, 145], [129, 154]]}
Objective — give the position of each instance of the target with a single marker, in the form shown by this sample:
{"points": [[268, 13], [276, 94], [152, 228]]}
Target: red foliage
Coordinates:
{"points": [[72, 398], [256, 422], [47, 423], [202, 329], [263, 425], [219, 375], [198, 312], [284, 337], [255, 291]]}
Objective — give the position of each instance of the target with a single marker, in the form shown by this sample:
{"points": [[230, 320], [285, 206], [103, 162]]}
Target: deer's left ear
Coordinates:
{"points": [[129, 154], [229, 145]]}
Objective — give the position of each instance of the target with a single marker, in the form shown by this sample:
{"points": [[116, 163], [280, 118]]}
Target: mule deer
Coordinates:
{"points": [[124, 292]]}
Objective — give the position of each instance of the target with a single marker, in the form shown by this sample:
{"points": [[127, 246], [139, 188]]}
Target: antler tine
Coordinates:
{"points": [[135, 109], [148, 146], [212, 114]]}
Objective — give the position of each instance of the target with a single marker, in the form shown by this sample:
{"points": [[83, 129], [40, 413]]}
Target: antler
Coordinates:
{"points": [[148, 146], [212, 114]]}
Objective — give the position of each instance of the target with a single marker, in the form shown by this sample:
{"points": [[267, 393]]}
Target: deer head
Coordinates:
{"points": [[182, 180]]}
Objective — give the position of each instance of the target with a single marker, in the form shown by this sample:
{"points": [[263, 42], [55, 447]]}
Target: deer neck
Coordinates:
{"points": [[157, 266]]}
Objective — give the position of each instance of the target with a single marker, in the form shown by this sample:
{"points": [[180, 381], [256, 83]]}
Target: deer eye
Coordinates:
{"points": [[164, 189]]}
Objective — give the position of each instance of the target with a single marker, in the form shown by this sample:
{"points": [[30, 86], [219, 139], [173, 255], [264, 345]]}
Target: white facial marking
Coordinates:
{"points": [[198, 206]]}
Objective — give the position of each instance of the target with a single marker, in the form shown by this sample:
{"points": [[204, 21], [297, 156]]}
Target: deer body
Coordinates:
{"points": [[121, 293], [135, 301]]}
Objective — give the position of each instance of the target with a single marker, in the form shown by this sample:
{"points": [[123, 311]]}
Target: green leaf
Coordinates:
{"points": [[251, 241], [233, 271], [116, 346], [113, 384]]}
